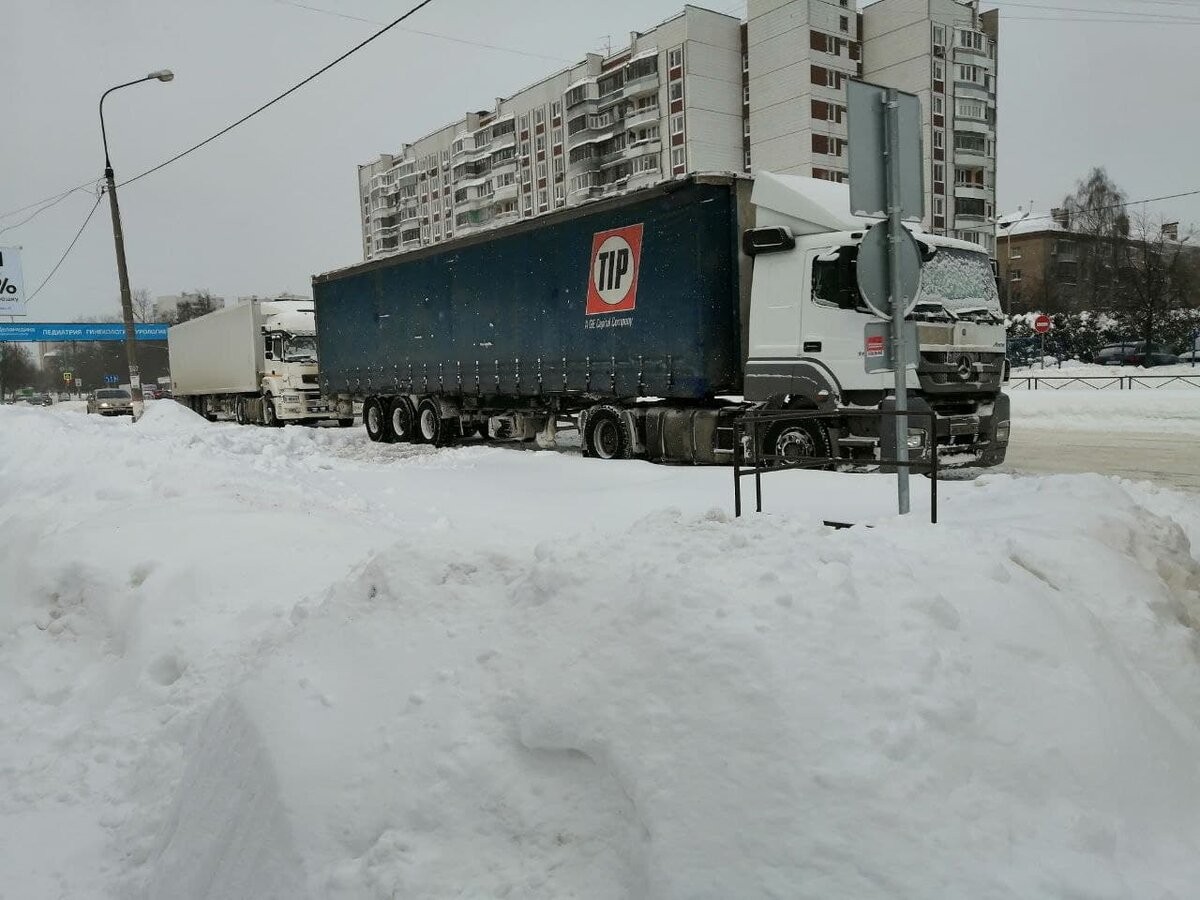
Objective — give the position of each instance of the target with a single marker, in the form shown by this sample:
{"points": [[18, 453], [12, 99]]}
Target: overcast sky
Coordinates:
{"points": [[263, 208]]}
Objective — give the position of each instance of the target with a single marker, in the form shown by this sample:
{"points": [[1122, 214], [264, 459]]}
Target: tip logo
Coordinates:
{"points": [[616, 261]]}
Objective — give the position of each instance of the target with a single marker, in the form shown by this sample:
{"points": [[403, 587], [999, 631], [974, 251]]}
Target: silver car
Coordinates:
{"points": [[111, 402]]}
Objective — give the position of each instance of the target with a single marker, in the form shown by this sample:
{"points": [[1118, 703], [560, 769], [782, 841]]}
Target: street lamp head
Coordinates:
{"points": [[162, 75]]}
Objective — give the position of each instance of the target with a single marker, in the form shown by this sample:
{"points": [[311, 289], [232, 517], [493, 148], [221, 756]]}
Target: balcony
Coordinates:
{"points": [[640, 148], [638, 86], [974, 89], [974, 192], [645, 116], [508, 139], [974, 159], [973, 126], [505, 192]]}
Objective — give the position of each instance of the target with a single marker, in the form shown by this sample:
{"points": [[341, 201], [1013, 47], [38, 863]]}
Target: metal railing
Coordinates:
{"points": [[1103, 382], [756, 423]]}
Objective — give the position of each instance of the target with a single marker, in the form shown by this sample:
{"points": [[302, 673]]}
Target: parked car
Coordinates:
{"points": [[111, 402], [1114, 354], [39, 400], [150, 392], [1151, 355], [1191, 358]]}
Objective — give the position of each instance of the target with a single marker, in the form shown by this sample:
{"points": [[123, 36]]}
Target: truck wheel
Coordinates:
{"points": [[796, 441], [373, 419], [606, 435], [270, 419], [401, 420], [239, 410], [431, 428]]}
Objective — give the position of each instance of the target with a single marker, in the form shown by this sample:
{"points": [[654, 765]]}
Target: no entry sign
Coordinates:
{"points": [[1041, 324]]}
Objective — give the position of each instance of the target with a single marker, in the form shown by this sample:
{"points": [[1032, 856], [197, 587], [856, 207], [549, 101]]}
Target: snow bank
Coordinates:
{"points": [[1164, 410], [259, 663]]}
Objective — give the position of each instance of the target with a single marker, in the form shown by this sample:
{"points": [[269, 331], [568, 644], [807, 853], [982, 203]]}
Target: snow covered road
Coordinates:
{"points": [[238, 662]]}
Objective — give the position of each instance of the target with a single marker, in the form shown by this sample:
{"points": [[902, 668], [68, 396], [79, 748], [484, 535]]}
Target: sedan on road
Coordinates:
{"points": [[111, 402]]}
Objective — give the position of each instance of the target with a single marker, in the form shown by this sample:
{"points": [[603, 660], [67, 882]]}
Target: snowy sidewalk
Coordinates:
{"points": [[260, 663]]}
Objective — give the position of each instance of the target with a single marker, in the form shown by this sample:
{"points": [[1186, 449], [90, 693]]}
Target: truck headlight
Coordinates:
{"points": [[916, 438], [1002, 432]]}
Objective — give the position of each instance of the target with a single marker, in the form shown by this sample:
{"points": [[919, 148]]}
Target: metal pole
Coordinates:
{"points": [[135, 380], [895, 236]]}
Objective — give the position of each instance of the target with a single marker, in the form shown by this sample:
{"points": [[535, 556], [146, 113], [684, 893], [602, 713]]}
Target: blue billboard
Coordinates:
{"points": [[50, 332]]}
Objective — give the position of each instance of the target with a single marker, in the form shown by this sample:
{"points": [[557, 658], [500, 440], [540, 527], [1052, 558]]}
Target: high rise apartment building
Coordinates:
{"points": [[944, 51], [704, 92]]}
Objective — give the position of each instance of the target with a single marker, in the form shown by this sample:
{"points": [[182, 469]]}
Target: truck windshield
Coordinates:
{"points": [[300, 348], [955, 284]]}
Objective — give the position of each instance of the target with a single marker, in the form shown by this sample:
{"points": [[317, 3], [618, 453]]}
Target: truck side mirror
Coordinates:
{"points": [[768, 239]]}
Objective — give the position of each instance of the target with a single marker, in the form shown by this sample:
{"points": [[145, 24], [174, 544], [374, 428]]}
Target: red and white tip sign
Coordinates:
{"points": [[1041, 324]]}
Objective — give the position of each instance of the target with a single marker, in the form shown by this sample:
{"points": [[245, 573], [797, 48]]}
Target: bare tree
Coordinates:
{"points": [[143, 306], [1089, 257], [1157, 273]]}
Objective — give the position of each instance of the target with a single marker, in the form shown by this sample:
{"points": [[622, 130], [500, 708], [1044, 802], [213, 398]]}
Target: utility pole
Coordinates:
{"points": [[110, 181], [895, 237]]}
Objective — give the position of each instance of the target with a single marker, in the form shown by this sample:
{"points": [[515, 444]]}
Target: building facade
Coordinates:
{"points": [[704, 92], [944, 51], [180, 307]]}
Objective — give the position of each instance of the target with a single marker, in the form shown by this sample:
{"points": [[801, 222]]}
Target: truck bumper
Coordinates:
{"points": [[967, 434]]}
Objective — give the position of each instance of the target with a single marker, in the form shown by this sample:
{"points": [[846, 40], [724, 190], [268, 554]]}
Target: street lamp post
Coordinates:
{"points": [[135, 379]]}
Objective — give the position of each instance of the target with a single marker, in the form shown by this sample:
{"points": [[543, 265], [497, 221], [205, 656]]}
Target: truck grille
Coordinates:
{"points": [[956, 371]]}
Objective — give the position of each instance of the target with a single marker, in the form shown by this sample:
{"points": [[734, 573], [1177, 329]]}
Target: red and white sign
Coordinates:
{"points": [[616, 263], [874, 345], [1041, 324]]}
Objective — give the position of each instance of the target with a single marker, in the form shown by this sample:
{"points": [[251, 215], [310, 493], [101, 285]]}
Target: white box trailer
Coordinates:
{"points": [[255, 362]]}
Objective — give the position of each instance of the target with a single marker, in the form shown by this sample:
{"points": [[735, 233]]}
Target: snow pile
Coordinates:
{"points": [[1164, 410], [526, 675]]}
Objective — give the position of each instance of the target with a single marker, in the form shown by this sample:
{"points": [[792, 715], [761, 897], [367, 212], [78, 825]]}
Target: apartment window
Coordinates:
{"points": [[675, 92], [543, 200], [970, 109], [939, 138], [746, 160], [541, 170], [970, 143], [559, 195], [559, 165], [539, 116], [745, 93], [525, 122], [939, 172], [525, 148], [939, 70], [556, 108], [939, 206], [674, 57], [844, 23], [678, 157], [647, 163], [939, 35], [677, 123], [540, 143], [820, 144], [745, 62], [558, 137], [939, 106], [745, 128], [845, 4]]}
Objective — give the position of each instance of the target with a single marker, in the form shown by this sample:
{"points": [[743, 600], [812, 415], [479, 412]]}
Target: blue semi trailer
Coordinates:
{"points": [[652, 320]]}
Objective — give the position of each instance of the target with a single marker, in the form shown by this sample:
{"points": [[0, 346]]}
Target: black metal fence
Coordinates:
{"points": [[1103, 382], [757, 424]]}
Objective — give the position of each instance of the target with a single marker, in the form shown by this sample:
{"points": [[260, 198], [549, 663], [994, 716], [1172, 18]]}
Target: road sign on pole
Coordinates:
{"points": [[1041, 324], [887, 178], [67, 377]]}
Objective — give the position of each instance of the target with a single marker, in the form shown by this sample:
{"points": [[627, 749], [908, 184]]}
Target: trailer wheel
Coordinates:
{"points": [[239, 410], [270, 418], [796, 441], [401, 420], [374, 420], [606, 435], [431, 428]]}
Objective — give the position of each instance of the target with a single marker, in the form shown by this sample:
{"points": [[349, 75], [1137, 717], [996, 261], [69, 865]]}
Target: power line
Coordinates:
{"points": [[1093, 21], [1119, 205], [1092, 10], [39, 211], [274, 100], [54, 197], [432, 34], [70, 247]]}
